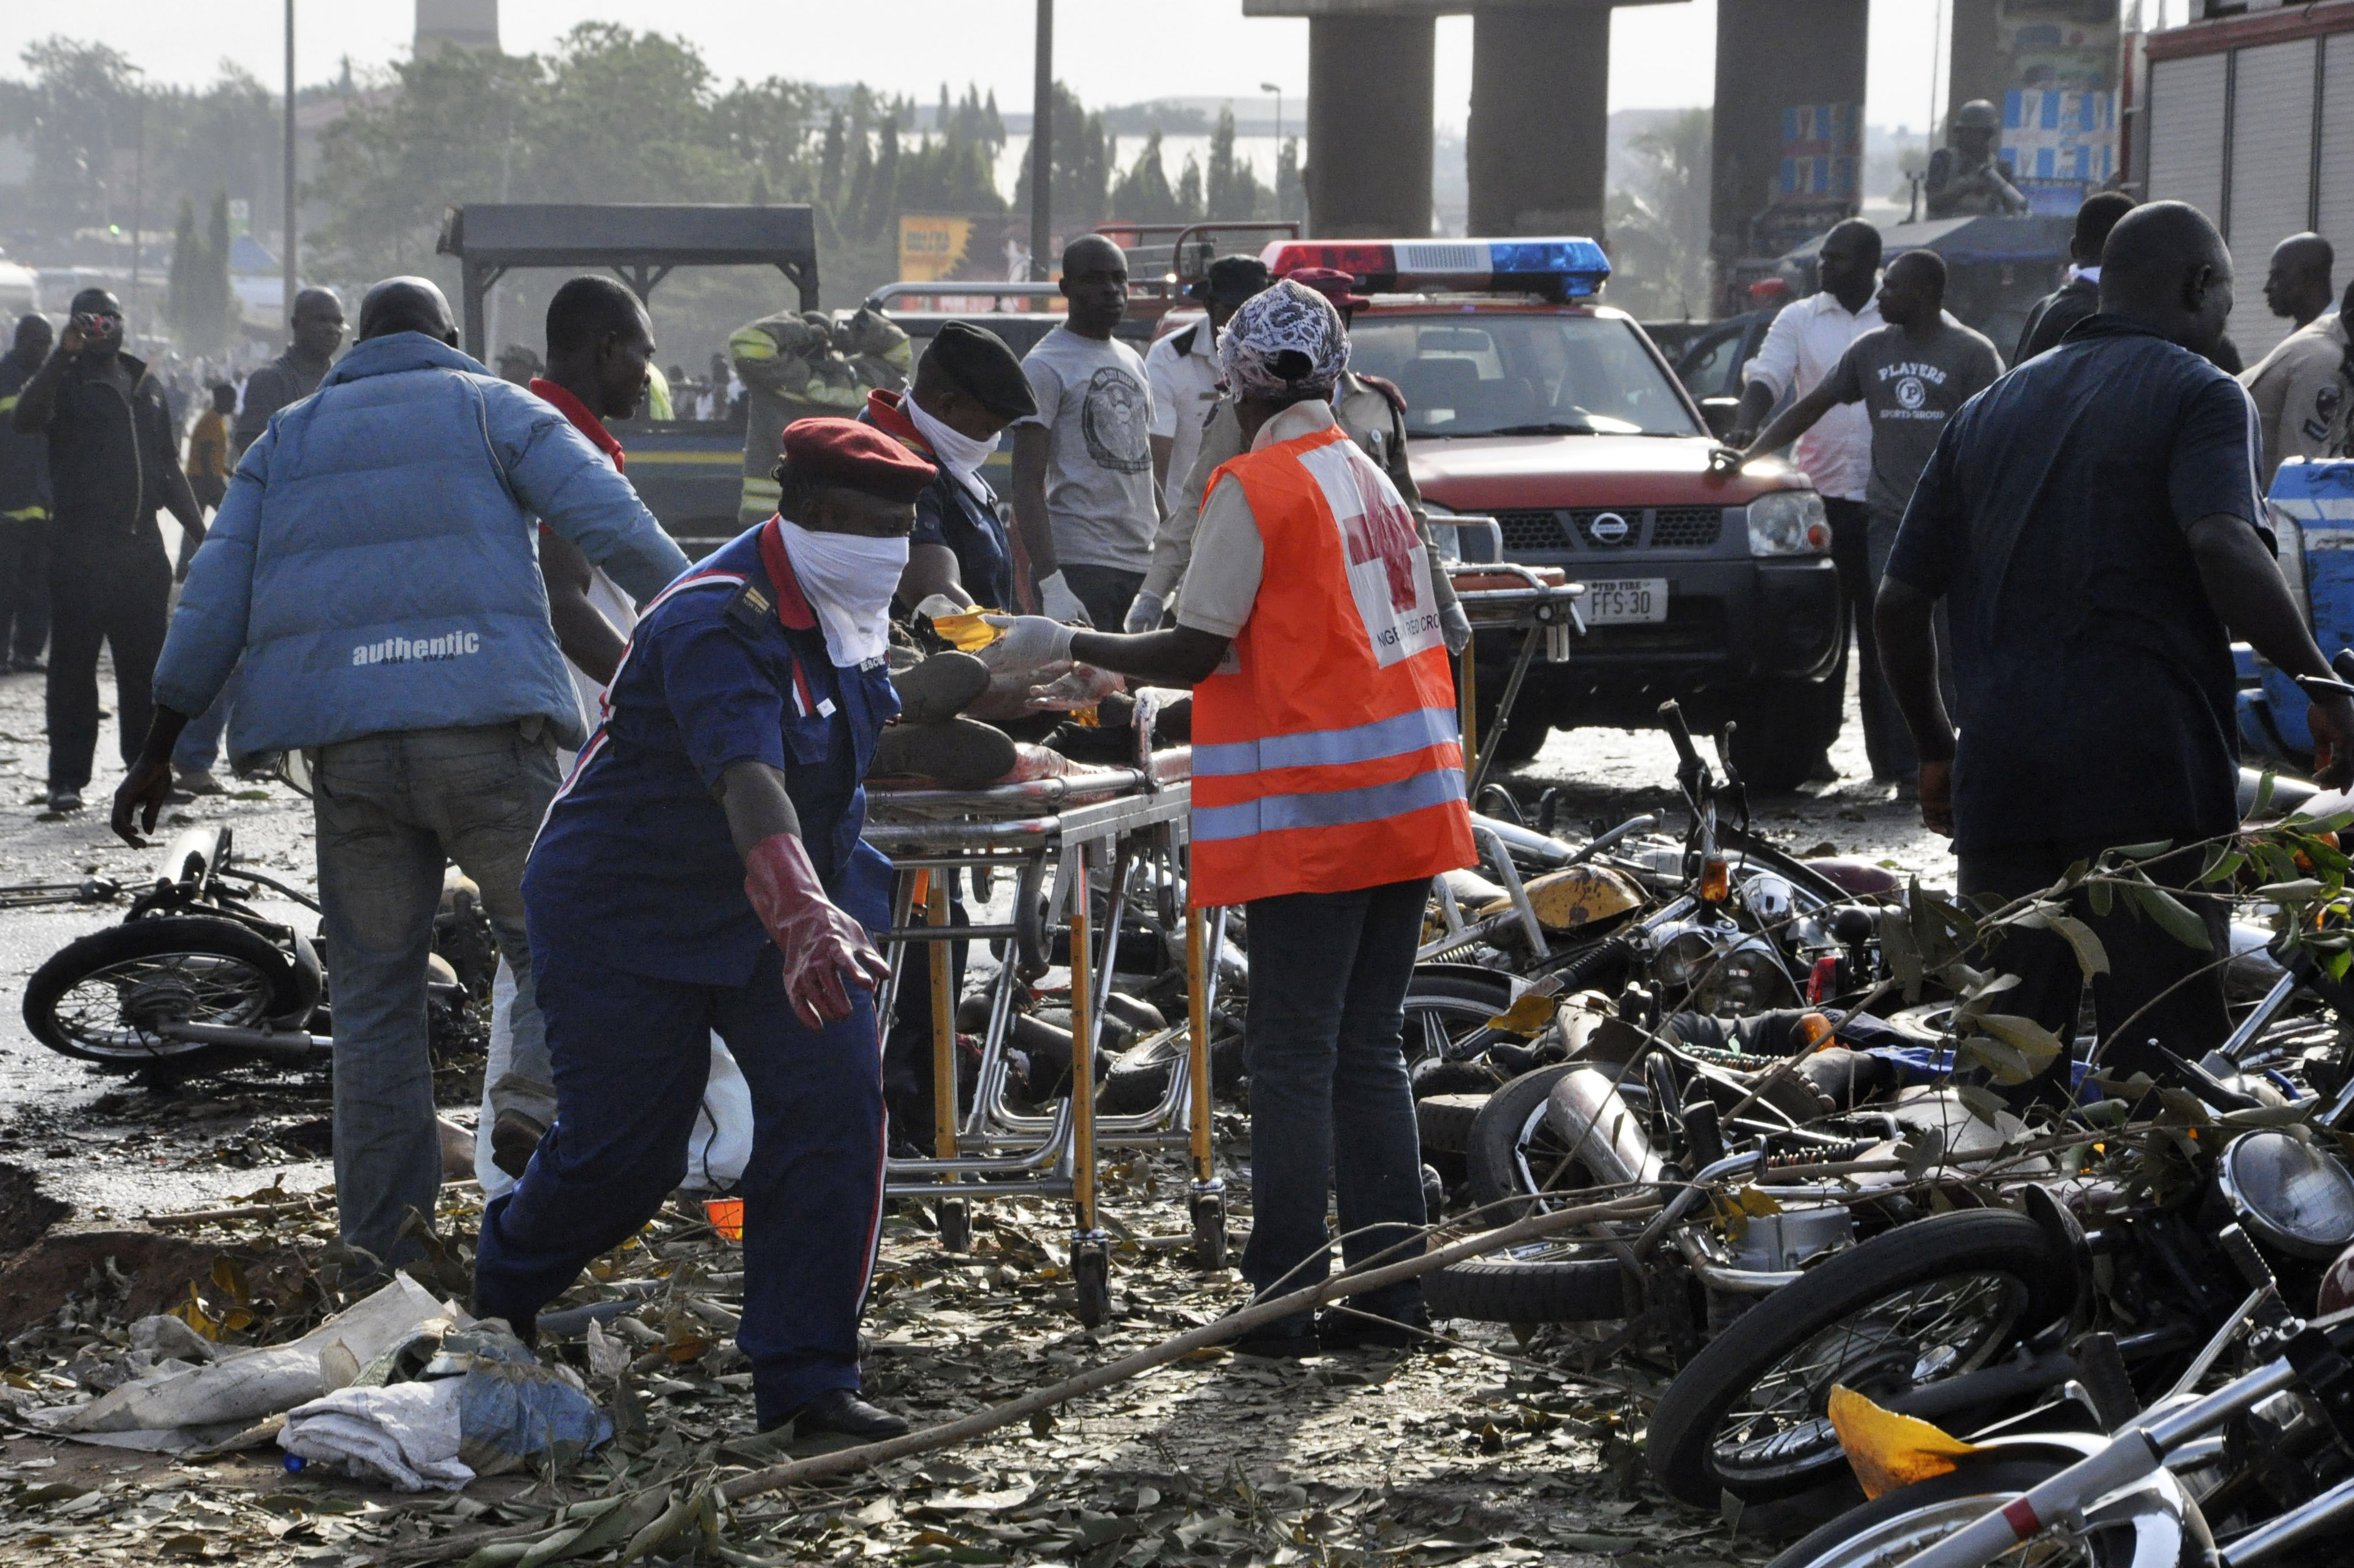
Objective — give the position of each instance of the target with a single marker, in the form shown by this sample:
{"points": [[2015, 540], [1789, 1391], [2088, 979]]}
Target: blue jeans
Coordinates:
{"points": [[1330, 1103], [199, 744], [392, 810], [632, 1053]]}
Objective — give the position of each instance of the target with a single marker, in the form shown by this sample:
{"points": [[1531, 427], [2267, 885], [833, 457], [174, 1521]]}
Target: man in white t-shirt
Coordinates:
{"points": [[1183, 370], [1805, 344], [1083, 486]]}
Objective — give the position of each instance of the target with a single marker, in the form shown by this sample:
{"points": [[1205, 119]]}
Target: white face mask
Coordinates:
{"points": [[961, 453], [849, 579]]}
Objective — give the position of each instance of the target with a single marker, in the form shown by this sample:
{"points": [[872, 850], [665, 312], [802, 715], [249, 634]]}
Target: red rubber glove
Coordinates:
{"points": [[822, 945]]}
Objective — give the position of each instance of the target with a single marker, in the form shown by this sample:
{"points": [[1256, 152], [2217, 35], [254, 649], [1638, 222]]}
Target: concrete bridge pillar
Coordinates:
{"points": [[1537, 149], [1369, 125]]}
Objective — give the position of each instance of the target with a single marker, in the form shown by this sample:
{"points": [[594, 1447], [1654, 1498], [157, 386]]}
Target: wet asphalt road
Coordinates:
{"points": [[113, 1150]]}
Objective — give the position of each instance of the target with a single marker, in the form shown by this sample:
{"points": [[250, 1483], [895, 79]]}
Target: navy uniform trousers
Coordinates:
{"points": [[630, 1054]]}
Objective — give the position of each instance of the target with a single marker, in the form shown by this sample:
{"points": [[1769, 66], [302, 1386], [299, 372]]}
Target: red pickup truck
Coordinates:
{"points": [[1530, 403]]}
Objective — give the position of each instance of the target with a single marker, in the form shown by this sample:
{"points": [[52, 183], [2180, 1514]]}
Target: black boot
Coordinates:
{"points": [[840, 1410]]}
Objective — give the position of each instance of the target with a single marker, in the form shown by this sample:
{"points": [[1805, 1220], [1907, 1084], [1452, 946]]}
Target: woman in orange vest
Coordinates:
{"points": [[1327, 791]]}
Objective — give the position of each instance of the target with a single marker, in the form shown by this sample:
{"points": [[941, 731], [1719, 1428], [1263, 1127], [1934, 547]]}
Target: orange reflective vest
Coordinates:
{"points": [[1326, 750]]}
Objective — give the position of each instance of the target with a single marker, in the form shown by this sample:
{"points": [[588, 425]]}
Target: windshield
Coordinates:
{"points": [[1520, 373]]}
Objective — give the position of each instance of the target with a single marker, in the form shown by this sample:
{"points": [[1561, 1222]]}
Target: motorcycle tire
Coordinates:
{"points": [[1435, 1075], [1503, 1184], [1140, 1076], [98, 998], [1541, 1287], [1445, 1121], [1895, 1525], [2007, 1268], [1446, 1015]]}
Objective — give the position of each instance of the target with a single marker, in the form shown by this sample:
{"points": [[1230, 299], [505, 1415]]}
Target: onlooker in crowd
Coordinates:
{"points": [[24, 507], [1182, 368], [1912, 376], [801, 366], [208, 457], [114, 463], [376, 568], [1325, 712], [2297, 284], [599, 339], [199, 744], [1802, 346], [294, 374], [2080, 296], [1083, 491], [2301, 391], [2093, 520], [1371, 413]]}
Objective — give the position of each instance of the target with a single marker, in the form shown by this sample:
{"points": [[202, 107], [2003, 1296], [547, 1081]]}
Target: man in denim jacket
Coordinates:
{"points": [[376, 568]]}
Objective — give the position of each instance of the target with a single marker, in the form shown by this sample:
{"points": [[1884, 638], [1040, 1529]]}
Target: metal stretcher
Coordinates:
{"points": [[1500, 596], [1124, 829]]}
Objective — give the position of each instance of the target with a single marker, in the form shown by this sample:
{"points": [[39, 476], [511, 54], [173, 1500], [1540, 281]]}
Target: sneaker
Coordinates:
{"points": [[197, 781], [939, 688], [1338, 1331], [840, 1412], [960, 753], [1824, 771], [62, 801], [514, 1137], [26, 664]]}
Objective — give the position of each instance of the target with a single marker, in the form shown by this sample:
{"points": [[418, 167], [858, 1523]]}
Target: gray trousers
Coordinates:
{"points": [[392, 810]]}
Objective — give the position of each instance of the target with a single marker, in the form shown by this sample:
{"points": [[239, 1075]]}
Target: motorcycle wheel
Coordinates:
{"points": [[102, 997], [1512, 1155], [1140, 1076], [1895, 1525], [1926, 1301], [1551, 1281], [1446, 1015]]}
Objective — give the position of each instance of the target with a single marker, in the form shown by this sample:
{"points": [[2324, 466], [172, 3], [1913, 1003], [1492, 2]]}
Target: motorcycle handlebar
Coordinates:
{"points": [[1672, 719]]}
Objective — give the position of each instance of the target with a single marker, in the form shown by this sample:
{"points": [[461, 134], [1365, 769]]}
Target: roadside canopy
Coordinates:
{"points": [[641, 243]]}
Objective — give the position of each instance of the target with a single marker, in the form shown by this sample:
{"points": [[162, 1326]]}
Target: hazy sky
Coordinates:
{"points": [[1117, 52]]}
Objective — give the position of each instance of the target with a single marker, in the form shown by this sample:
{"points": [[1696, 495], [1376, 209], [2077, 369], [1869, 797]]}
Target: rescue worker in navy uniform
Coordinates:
{"points": [[702, 871]]}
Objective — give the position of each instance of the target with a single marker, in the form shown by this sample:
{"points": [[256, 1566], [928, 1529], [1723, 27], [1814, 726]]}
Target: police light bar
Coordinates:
{"points": [[1569, 268]]}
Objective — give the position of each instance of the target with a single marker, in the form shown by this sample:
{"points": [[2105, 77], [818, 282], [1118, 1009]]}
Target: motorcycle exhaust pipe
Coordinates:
{"points": [[292, 1046], [1600, 1129]]}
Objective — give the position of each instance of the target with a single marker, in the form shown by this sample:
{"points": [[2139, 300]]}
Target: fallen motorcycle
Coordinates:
{"points": [[196, 978]]}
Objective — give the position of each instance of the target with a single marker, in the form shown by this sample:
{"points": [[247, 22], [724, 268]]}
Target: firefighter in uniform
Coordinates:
{"points": [[1327, 791], [799, 365], [1370, 409], [701, 871]]}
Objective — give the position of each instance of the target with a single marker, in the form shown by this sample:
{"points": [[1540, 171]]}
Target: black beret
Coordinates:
{"points": [[984, 368], [1230, 280]]}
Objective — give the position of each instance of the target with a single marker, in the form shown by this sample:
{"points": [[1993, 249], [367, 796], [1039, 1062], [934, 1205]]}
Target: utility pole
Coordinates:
{"points": [[1276, 178], [138, 200], [1042, 144], [288, 244]]}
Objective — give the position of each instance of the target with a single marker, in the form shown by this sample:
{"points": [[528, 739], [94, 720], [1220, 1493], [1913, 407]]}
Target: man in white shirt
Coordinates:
{"points": [[1183, 370], [1805, 344], [2301, 392], [1084, 497]]}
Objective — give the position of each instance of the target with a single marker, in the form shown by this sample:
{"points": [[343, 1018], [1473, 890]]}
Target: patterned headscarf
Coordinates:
{"points": [[1287, 319]]}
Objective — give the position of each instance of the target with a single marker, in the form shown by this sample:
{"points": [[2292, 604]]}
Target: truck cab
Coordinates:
{"points": [[1530, 403]]}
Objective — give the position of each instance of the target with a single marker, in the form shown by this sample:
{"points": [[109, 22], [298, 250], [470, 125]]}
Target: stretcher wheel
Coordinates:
{"points": [[1210, 1230], [1091, 1272], [956, 1225]]}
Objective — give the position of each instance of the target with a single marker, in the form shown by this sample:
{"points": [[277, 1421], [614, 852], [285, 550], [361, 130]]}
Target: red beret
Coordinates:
{"points": [[1332, 284], [860, 457]]}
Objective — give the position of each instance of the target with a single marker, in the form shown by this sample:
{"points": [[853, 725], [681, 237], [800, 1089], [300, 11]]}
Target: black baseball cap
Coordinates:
{"points": [[979, 361], [1230, 280]]}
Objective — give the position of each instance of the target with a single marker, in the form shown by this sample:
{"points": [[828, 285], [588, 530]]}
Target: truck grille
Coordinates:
{"points": [[1660, 528], [1686, 527]]}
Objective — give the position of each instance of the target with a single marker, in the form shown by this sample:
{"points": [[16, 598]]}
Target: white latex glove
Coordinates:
{"points": [[1456, 627], [1082, 688], [1058, 602], [1143, 614], [1029, 642]]}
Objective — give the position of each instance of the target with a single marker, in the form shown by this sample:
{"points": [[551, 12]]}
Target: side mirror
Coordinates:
{"points": [[1721, 413]]}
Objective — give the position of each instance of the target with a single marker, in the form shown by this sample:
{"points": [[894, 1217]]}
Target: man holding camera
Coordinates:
{"points": [[114, 463]]}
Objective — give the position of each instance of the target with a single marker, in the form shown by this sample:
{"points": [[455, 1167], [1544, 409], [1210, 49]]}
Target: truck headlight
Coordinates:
{"points": [[1788, 523]]}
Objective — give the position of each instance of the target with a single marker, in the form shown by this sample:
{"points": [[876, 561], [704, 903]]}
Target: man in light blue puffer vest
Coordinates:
{"points": [[375, 566]]}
